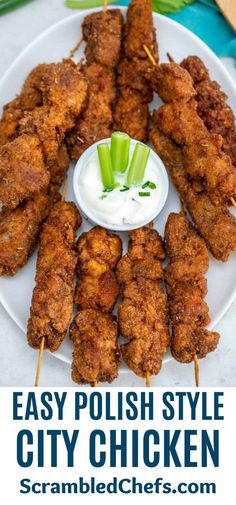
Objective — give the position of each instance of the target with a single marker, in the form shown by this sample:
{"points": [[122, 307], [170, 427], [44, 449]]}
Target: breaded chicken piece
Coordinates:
{"points": [[22, 170], [29, 98], [19, 229], [132, 74], [96, 121], [143, 259], [189, 312], [139, 30], [212, 105], [52, 300], [171, 82], [214, 223], [143, 319], [96, 353], [98, 253], [180, 120], [204, 160], [134, 91], [65, 92], [102, 31], [143, 313], [130, 104]]}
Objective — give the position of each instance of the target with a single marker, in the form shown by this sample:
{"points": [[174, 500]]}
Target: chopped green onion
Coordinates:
{"points": [[102, 197], [107, 174], [120, 147], [114, 186], [108, 190], [143, 193], [138, 165], [125, 188], [149, 184]]}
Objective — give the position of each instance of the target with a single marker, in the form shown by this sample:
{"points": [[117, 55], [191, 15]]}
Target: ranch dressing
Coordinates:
{"points": [[120, 207]]}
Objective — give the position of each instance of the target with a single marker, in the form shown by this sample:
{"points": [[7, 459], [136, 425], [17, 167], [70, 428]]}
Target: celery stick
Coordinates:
{"points": [[138, 165], [120, 146], [104, 157]]}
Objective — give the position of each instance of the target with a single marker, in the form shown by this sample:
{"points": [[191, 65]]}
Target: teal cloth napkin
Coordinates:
{"points": [[205, 20]]}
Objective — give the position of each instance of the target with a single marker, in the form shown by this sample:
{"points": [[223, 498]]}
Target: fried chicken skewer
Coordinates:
{"points": [[212, 105], [215, 224], [204, 161], [24, 160], [94, 330], [131, 110], [52, 299], [44, 89], [143, 313], [187, 287], [101, 31], [19, 229]]}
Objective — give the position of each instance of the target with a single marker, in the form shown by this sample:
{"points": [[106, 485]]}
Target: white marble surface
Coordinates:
{"points": [[17, 360]]}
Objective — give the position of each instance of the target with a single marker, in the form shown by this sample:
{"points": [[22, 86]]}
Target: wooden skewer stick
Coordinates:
{"points": [[148, 380], [150, 56], [42, 344], [105, 6], [196, 364], [233, 201], [76, 48], [171, 60], [196, 370], [41, 349]]}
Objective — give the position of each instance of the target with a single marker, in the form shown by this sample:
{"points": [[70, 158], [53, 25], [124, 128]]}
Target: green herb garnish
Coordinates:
{"points": [[149, 184], [144, 193], [110, 188], [125, 188], [102, 197]]}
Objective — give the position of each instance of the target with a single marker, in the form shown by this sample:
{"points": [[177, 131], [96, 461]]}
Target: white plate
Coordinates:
{"points": [[55, 44]]}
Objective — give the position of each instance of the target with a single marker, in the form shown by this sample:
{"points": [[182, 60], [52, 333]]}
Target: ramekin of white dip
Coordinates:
{"points": [[120, 209]]}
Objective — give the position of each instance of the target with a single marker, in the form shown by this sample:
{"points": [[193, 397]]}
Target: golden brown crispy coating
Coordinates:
{"points": [[95, 122], [180, 120], [130, 104], [143, 319], [29, 98], [19, 232], [171, 82], [145, 242], [98, 254], [214, 223], [102, 32], [139, 30], [65, 92], [131, 111], [96, 354], [22, 170], [52, 300], [19, 229], [212, 105], [132, 74], [196, 68], [204, 160], [189, 312], [143, 313]]}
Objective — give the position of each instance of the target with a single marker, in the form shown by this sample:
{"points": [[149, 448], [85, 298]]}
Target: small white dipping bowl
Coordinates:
{"points": [[90, 214]]}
